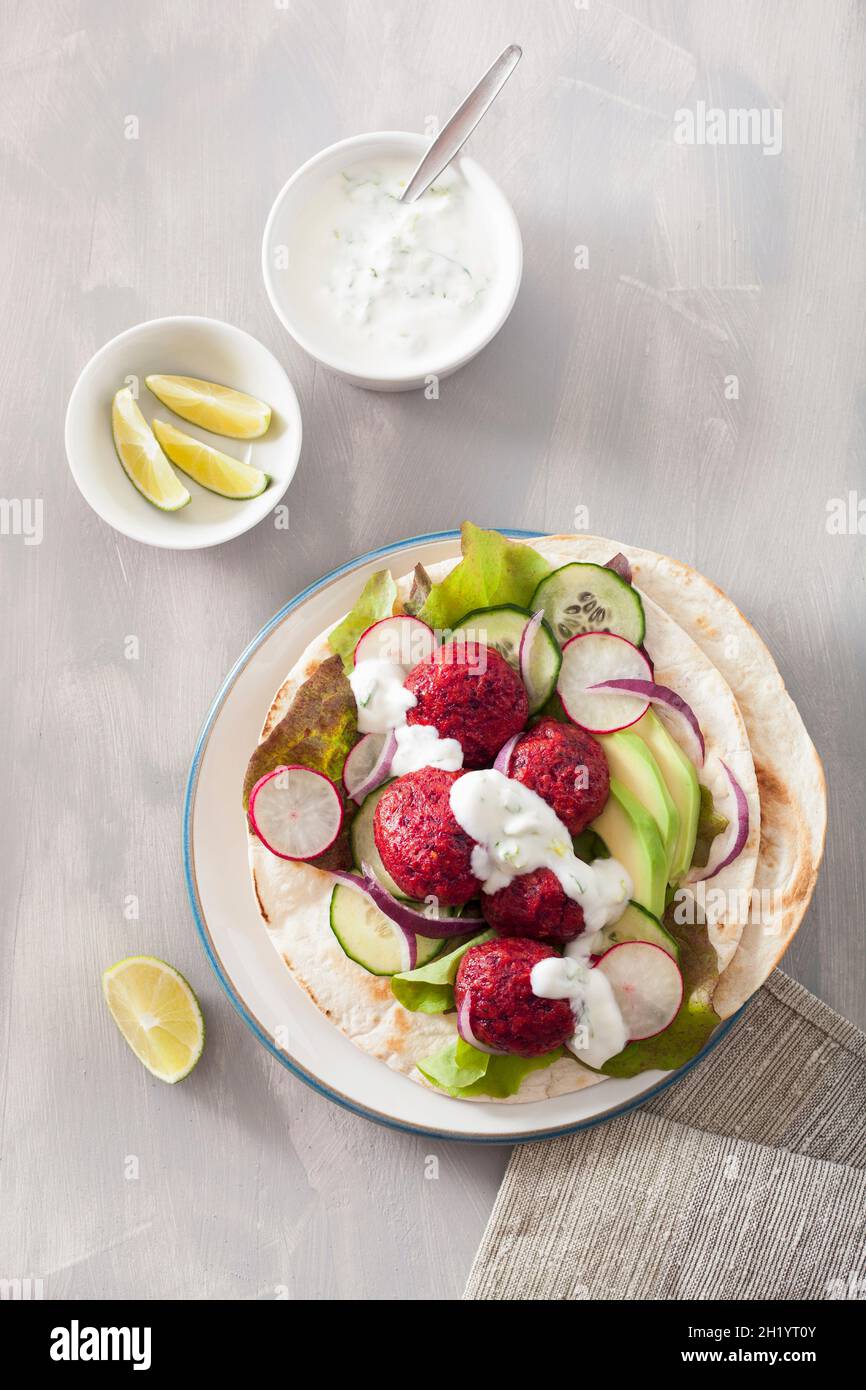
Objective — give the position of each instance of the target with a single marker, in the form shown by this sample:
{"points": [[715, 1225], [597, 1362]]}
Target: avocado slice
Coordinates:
{"points": [[636, 924], [632, 763], [681, 780], [632, 836]]}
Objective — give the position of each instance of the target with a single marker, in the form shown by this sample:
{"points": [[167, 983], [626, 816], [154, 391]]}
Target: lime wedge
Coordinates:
{"points": [[143, 461], [208, 466], [216, 408], [157, 1013]]}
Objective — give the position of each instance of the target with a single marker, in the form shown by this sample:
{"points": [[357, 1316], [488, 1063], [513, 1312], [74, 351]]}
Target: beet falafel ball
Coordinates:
{"points": [[421, 844], [503, 1011], [567, 768], [534, 905], [469, 692]]}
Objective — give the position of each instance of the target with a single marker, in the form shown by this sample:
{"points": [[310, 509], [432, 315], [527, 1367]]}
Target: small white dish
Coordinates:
{"points": [[182, 346], [318, 340]]}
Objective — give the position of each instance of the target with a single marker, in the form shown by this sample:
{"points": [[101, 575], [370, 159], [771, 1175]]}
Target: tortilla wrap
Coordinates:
{"points": [[293, 898]]}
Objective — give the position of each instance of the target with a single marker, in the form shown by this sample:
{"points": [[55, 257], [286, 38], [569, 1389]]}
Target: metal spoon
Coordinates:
{"points": [[460, 126]]}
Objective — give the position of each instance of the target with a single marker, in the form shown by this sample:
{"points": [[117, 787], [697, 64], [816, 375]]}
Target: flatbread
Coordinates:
{"points": [[293, 898]]}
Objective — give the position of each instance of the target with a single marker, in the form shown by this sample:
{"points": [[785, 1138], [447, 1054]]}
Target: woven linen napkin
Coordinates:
{"points": [[745, 1180]]}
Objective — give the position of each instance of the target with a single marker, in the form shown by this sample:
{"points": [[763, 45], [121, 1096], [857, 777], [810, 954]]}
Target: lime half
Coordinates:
{"points": [[216, 408], [208, 466], [143, 461], [157, 1013]]}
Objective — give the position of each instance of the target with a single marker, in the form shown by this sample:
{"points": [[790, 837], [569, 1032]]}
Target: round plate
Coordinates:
{"points": [[184, 346], [245, 962]]}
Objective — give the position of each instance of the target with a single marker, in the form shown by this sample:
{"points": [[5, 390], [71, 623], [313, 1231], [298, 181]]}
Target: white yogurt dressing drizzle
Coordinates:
{"points": [[517, 832], [599, 1031], [383, 702], [380, 695], [419, 745]]}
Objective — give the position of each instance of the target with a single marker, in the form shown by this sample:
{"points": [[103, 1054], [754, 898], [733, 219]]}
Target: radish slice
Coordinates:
{"points": [[502, 761], [647, 986], [402, 640], [620, 565], [734, 842], [668, 699], [437, 928], [368, 765], [296, 813], [464, 1028], [593, 658]]}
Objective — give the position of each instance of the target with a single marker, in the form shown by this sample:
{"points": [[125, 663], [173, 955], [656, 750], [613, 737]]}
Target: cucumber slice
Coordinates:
{"points": [[581, 597], [636, 924], [371, 939], [364, 849], [502, 628]]}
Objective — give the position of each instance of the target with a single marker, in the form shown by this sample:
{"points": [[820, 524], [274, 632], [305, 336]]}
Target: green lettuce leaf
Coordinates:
{"points": [[419, 593], [588, 846], [696, 1019], [376, 602], [493, 570], [430, 988], [553, 709], [462, 1070], [317, 731], [710, 824]]}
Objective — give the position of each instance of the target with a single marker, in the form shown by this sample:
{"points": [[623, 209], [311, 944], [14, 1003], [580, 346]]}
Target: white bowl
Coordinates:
{"points": [[293, 198], [184, 346]]}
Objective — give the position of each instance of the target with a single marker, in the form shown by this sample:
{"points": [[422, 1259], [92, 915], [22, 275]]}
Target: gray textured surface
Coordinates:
{"points": [[606, 390], [772, 1155]]}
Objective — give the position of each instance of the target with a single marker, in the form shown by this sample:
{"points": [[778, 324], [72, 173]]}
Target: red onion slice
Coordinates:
{"points": [[738, 836], [436, 928], [663, 695], [524, 654], [379, 772], [362, 885], [406, 918], [620, 565], [464, 1028], [502, 761]]}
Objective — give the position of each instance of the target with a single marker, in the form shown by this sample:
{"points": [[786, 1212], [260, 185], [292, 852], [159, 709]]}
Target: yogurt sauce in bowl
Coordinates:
{"points": [[403, 282], [384, 292]]}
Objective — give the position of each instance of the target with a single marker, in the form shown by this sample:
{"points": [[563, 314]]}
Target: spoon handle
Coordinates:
{"points": [[457, 130]]}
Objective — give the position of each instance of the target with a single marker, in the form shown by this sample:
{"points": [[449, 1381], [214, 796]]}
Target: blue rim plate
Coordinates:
{"points": [[241, 960]]}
